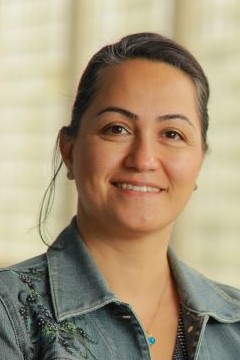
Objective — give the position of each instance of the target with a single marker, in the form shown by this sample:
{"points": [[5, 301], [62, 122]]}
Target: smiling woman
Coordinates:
{"points": [[133, 137], [110, 287]]}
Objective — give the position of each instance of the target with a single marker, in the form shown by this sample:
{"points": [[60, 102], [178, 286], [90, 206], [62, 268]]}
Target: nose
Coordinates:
{"points": [[143, 155]]}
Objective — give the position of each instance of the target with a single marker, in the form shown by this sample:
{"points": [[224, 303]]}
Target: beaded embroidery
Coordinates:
{"points": [[40, 323]]}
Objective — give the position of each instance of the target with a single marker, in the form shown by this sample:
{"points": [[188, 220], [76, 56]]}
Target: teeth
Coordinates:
{"points": [[139, 188]]}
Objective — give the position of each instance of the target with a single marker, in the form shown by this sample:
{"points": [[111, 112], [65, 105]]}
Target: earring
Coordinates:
{"points": [[70, 174], [195, 187]]}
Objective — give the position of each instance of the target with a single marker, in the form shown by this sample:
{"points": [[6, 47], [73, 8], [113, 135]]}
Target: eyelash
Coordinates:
{"points": [[174, 133], [108, 130]]}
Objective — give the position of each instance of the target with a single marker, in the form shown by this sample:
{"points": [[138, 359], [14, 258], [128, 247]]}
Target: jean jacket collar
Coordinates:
{"points": [[78, 287]]}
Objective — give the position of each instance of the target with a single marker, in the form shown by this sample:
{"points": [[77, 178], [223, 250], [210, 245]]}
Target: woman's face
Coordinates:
{"points": [[138, 151]]}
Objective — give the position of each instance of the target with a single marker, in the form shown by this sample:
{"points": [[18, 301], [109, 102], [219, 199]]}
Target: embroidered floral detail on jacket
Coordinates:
{"points": [[40, 323]]}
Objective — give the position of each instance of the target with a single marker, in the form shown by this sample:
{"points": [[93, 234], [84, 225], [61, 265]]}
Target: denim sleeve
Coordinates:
{"points": [[10, 334]]}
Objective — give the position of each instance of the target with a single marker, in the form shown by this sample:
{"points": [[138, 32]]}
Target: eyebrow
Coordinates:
{"points": [[119, 110], [130, 115], [175, 116]]}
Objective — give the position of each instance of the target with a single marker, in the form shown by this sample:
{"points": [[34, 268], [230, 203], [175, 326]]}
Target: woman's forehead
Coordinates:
{"points": [[145, 81]]}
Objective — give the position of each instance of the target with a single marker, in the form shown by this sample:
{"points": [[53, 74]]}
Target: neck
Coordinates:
{"points": [[136, 269], [125, 261]]}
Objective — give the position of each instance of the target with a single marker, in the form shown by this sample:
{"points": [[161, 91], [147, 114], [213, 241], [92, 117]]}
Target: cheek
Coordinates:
{"points": [[84, 163], [184, 169], [94, 162]]}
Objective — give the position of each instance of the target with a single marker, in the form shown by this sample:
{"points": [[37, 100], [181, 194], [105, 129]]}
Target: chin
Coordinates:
{"points": [[141, 227]]}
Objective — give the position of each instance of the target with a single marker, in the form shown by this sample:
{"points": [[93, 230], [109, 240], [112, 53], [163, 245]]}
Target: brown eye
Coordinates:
{"points": [[115, 130], [173, 135]]}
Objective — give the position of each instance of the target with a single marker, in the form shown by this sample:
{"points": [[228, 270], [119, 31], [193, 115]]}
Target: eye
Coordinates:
{"points": [[115, 129], [172, 135]]}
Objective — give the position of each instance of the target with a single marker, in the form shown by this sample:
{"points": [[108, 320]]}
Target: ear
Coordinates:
{"points": [[66, 145]]}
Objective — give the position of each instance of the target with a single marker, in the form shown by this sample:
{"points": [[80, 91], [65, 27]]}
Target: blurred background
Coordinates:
{"points": [[44, 46]]}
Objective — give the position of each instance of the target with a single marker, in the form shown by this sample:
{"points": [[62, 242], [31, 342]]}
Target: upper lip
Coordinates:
{"points": [[139, 183]]}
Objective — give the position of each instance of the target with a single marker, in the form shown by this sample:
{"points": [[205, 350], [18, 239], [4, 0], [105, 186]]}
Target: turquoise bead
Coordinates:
{"points": [[151, 340]]}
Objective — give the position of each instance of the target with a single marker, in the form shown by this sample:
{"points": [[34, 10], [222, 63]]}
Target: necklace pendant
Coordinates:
{"points": [[151, 339]]}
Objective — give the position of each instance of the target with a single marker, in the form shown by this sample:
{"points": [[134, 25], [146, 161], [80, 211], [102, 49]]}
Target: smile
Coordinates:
{"points": [[139, 188]]}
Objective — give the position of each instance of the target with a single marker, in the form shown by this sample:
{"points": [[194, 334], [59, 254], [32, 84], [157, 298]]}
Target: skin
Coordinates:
{"points": [[142, 128]]}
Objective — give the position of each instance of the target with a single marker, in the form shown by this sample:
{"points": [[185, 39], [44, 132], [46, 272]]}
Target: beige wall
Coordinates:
{"points": [[209, 231], [35, 46], [44, 45]]}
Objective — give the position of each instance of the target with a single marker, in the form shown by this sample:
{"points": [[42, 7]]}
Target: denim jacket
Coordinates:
{"points": [[58, 306]]}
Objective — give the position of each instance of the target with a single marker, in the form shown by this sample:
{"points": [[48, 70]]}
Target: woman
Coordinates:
{"points": [[110, 287]]}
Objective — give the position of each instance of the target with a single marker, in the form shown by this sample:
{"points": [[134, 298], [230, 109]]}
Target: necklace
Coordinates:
{"points": [[151, 338]]}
